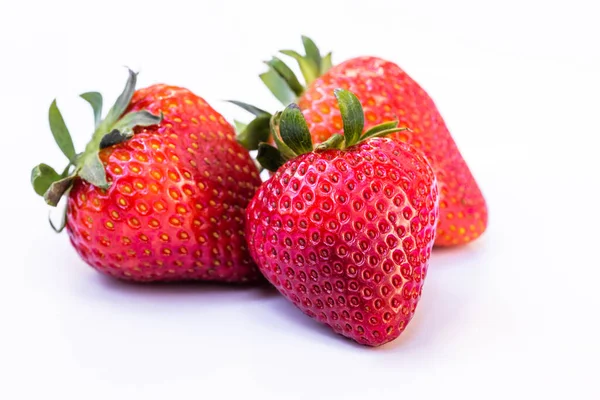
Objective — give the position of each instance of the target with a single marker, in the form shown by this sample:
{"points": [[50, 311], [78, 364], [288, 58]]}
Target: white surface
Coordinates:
{"points": [[514, 315]]}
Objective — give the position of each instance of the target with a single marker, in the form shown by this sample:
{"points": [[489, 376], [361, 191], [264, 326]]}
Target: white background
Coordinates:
{"points": [[514, 315]]}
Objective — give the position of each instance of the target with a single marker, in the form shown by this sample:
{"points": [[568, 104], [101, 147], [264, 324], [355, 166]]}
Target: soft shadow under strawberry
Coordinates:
{"points": [[194, 290]]}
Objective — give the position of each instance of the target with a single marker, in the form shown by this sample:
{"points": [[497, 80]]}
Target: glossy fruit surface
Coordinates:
{"points": [[345, 230], [175, 195], [346, 235], [387, 93]]}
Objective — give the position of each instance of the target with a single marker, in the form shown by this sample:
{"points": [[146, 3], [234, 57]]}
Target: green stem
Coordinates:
{"points": [[92, 148]]}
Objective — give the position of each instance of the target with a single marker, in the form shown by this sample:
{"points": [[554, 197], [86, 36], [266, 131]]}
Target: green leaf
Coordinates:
{"points": [[138, 118], [42, 176], [61, 134], [93, 171], [269, 157], [239, 126], [95, 100], [115, 137], [122, 102], [123, 129], [286, 152], [309, 69], [256, 132], [383, 133], [352, 115], [278, 86], [335, 141], [312, 51], [287, 74], [294, 130], [57, 189], [326, 63], [378, 128], [250, 108]]}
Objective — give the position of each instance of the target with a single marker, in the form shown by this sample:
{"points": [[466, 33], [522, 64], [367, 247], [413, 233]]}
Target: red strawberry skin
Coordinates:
{"points": [[387, 93], [175, 207], [346, 235]]}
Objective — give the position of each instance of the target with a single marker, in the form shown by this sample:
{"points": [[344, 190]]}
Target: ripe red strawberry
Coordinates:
{"points": [[160, 191], [345, 232], [387, 93]]}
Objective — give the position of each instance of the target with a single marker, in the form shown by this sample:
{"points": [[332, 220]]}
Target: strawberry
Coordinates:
{"points": [[387, 93], [159, 192], [345, 231]]}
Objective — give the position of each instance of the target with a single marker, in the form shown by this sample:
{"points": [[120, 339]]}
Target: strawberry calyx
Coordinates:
{"points": [[116, 127], [281, 80], [291, 135], [285, 86], [251, 134]]}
